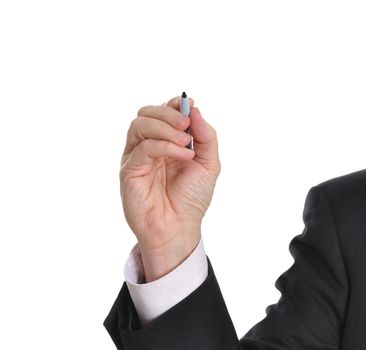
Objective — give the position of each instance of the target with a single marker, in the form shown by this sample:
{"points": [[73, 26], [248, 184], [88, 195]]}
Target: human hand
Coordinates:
{"points": [[166, 188]]}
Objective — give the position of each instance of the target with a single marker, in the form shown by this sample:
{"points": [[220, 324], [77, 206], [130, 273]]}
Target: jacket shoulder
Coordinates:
{"points": [[346, 196], [351, 181]]}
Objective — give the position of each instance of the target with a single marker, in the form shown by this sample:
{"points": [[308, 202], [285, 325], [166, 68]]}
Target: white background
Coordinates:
{"points": [[282, 82]]}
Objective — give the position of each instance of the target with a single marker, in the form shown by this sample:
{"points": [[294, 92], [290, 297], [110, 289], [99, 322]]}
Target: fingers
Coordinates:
{"points": [[158, 131], [205, 142], [149, 128], [147, 150], [175, 102], [166, 114]]}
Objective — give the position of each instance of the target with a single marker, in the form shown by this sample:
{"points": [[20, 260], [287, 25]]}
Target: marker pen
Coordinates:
{"points": [[184, 109]]}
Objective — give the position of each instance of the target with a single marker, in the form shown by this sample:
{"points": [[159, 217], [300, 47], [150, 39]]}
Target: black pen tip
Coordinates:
{"points": [[184, 95]]}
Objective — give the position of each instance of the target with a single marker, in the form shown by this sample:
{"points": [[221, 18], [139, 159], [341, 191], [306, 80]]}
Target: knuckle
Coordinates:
{"points": [[145, 110], [133, 124], [213, 132], [142, 110], [173, 102]]}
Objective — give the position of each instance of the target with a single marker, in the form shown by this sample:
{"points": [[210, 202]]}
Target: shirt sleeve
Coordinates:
{"points": [[154, 298]]}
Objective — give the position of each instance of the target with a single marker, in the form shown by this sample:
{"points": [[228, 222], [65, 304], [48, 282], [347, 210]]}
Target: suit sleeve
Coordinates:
{"points": [[308, 315]]}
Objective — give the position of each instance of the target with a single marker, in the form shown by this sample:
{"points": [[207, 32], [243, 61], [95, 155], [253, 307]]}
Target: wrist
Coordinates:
{"points": [[159, 262]]}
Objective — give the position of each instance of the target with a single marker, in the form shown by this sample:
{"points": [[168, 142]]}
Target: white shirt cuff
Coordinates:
{"points": [[154, 298]]}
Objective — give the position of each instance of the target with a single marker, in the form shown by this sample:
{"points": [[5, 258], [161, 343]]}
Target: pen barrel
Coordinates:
{"points": [[184, 106], [184, 109]]}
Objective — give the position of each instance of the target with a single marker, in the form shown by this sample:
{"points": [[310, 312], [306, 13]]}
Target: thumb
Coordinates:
{"points": [[205, 142]]}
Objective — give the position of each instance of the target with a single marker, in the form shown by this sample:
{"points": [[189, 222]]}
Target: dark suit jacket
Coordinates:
{"points": [[323, 294]]}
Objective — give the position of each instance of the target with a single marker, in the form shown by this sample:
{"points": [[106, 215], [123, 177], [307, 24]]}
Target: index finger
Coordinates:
{"points": [[175, 102], [165, 113]]}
